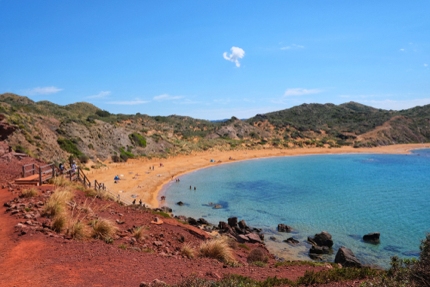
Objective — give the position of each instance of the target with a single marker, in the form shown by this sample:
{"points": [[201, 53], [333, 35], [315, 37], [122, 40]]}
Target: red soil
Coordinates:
{"points": [[41, 257]]}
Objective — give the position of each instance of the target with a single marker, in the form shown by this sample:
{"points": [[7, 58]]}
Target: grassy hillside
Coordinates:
{"points": [[83, 131]]}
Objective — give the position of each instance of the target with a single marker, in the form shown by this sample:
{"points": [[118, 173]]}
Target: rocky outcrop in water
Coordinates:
{"points": [[284, 228], [372, 238], [346, 258], [321, 239]]}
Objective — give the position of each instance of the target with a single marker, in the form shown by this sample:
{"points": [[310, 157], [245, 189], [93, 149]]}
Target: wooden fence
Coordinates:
{"points": [[49, 171]]}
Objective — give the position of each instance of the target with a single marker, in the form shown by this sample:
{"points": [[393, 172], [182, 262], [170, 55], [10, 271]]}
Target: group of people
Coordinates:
{"points": [[140, 202], [73, 167]]}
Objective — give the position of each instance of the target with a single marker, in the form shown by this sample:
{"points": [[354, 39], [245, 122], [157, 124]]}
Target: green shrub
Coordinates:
{"points": [[138, 139], [69, 146], [103, 113]]}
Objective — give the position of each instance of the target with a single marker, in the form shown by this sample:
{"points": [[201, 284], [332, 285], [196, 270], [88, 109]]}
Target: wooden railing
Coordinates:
{"points": [[29, 169], [49, 171], [46, 172]]}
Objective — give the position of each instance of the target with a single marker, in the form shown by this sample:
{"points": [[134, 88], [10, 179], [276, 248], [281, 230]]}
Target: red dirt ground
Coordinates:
{"points": [[41, 257]]}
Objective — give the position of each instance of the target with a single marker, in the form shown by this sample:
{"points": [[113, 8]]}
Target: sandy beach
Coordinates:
{"points": [[144, 178]]}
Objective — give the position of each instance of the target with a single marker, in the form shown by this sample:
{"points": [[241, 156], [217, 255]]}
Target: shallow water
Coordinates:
{"points": [[346, 195]]}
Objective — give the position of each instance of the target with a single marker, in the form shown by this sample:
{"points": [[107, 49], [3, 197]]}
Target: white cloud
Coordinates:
{"points": [[300, 92], [166, 97], [402, 50], [236, 54], [100, 95], [293, 47], [128, 103], [426, 65], [43, 91]]}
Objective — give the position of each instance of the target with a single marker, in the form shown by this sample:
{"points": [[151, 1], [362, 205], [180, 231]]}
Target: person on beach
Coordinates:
{"points": [[140, 202], [190, 187], [134, 201], [194, 188]]}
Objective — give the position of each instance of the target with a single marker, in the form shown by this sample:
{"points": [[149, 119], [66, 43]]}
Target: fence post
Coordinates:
{"points": [[53, 171], [40, 176], [34, 169], [23, 171]]}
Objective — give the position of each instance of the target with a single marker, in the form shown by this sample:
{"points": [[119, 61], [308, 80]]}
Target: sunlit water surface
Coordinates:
{"points": [[346, 195]]}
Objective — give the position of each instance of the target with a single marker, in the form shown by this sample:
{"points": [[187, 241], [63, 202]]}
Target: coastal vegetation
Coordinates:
{"points": [[46, 130]]}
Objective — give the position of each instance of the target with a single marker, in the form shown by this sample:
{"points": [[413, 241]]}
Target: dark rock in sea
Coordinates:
{"points": [[242, 224], [284, 228], [223, 225], [238, 230], [192, 221], [319, 250], [217, 206], [346, 258], [180, 203], [232, 221], [254, 238], [242, 238], [292, 241], [202, 221], [322, 239], [273, 238], [372, 238]]}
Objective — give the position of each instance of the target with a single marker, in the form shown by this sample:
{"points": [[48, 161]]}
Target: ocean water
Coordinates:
{"points": [[348, 195]]}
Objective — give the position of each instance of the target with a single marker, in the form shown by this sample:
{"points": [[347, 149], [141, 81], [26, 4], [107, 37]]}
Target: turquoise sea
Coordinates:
{"points": [[348, 195]]}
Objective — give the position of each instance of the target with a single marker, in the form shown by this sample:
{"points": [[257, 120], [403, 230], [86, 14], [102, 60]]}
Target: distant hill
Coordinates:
{"points": [[83, 131]]}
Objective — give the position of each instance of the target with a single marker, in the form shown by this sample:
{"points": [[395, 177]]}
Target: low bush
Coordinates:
{"points": [[337, 275], [30, 192], [257, 255]]}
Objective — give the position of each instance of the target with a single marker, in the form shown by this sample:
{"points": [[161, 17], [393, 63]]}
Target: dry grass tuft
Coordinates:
{"points": [[59, 222], [57, 203], [30, 192], [218, 248], [78, 230], [103, 229], [61, 181], [139, 233], [187, 250]]}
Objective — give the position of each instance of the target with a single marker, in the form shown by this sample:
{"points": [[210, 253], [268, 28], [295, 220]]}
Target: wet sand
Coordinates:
{"points": [[144, 178]]}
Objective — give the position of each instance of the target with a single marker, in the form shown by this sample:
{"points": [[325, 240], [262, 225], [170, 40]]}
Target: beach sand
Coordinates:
{"points": [[144, 178]]}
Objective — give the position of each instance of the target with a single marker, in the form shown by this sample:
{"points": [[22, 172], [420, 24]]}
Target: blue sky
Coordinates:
{"points": [[216, 59]]}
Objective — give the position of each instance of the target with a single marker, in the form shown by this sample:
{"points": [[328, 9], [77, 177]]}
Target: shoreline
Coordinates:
{"points": [[144, 179]]}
